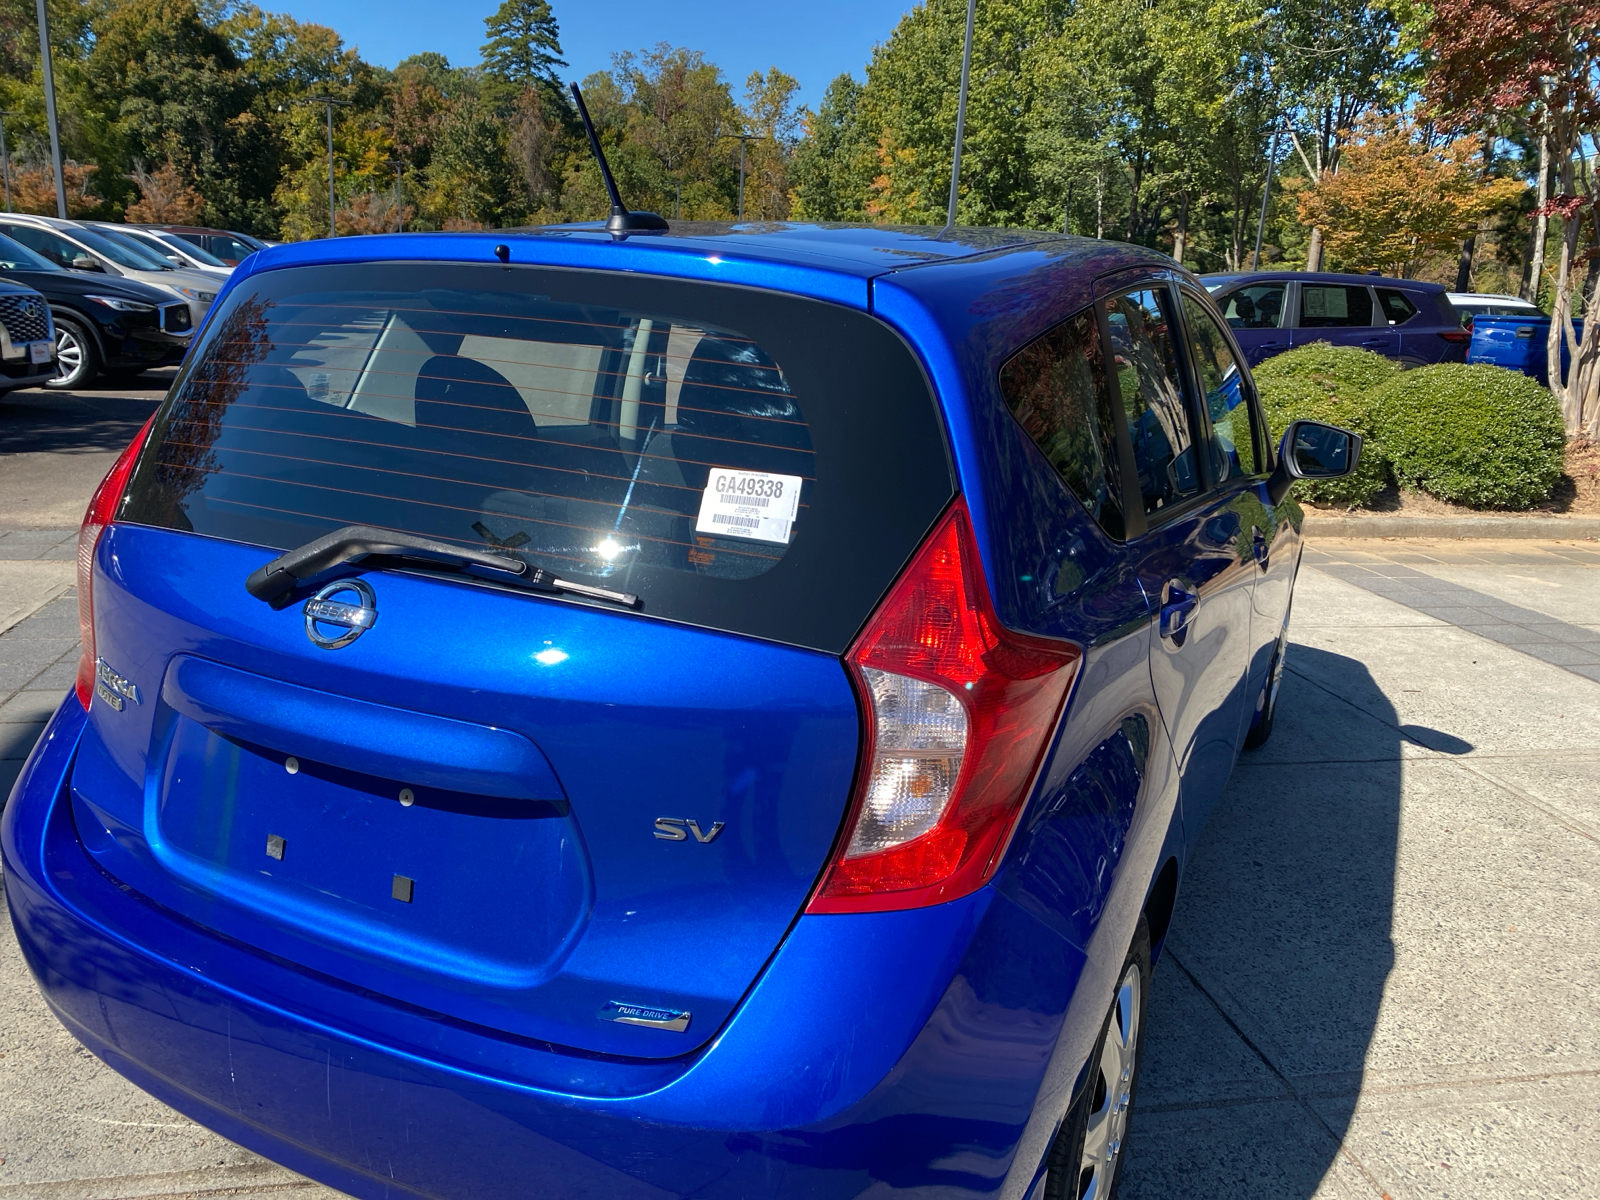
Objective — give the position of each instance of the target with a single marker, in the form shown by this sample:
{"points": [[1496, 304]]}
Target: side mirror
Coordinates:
{"points": [[175, 260], [1312, 450], [84, 263]]}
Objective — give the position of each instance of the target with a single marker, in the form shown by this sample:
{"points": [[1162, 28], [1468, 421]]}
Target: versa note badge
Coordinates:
{"points": [[113, 688], [672, 829], [351, 619]]}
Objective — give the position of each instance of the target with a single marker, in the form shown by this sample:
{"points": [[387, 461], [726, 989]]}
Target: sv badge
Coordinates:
{"points": [[678, 829]]}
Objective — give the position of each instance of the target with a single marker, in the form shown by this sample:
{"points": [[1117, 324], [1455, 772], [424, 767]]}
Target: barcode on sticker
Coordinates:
{"points": [[764, 506]]}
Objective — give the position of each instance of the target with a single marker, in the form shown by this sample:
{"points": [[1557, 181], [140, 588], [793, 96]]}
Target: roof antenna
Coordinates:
{"points": [[621, 222], [961, 117]]}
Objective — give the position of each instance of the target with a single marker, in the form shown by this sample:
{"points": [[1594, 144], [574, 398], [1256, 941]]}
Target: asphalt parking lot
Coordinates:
{"points": [[1382, 975]]}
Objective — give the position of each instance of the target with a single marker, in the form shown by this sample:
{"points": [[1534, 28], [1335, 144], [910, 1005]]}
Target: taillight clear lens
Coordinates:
{"points": [[101, 512], [961, 712], [920, 737]]}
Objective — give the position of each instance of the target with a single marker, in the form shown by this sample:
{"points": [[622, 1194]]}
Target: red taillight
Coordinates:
{"points": [[102, 510], [959, 712], [1464, 334]]}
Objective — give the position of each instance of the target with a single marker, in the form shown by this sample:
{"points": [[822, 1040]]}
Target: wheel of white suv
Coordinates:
{"points": [[77, 358], [1086, 1158]]}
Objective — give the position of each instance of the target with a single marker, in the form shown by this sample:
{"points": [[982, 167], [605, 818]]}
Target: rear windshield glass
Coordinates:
{"points": [[750, 461]]}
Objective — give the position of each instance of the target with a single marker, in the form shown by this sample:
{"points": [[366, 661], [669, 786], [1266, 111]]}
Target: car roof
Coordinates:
{"points": [[995, 289], [859, 251], [192, 229], [1410, 285]]}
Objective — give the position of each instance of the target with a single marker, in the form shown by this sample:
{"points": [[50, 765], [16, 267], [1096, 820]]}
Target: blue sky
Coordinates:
{"points": [[813, 40]]}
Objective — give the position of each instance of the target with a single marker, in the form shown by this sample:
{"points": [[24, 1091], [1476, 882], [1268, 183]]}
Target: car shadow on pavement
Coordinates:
{"points": [[1269, 989], [103, 417]]}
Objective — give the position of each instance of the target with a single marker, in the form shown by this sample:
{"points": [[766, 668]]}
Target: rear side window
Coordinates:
{"points": [[1259, 306], [1397, 309], [1329, 306], [1148, 378], [740, 459], [1056, 387]]}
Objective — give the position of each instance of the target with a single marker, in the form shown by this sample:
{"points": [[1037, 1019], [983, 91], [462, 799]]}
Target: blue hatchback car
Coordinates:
{"points": [[719, 713]]}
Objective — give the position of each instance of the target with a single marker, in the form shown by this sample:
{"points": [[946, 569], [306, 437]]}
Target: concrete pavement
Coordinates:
{"points": [[1382, 974]]}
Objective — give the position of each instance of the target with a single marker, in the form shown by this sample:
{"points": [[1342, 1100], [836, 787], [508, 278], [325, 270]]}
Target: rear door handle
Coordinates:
{"points": [[1376, 342], [1178, 606]]}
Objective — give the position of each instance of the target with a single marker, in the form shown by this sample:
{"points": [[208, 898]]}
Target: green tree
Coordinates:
{"points": [[835, 161], [524, 45]]}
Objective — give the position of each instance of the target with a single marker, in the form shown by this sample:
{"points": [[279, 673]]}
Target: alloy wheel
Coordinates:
{"points": [[69, 358], [1113, 1090]]}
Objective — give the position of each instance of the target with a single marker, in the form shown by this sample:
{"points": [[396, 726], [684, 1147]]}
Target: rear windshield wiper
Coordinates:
{"points": [[289, 570]]}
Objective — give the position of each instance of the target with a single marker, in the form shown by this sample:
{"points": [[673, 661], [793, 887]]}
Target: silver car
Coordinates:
{"points": [[77, 246], [186, 256]]}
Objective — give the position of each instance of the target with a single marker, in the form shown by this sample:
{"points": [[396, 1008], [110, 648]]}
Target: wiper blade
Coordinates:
{"points": [[278, 578]]}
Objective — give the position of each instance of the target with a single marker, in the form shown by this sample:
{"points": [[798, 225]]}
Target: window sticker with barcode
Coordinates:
{"points": [[749, 504]]}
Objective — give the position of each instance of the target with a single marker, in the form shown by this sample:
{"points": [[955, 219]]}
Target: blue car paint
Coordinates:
{"points": [[944, 1044], [1518, 344], [575, 959]]}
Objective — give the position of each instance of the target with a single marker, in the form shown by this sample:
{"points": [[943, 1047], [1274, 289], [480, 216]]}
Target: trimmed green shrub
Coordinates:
{"points": [[1472, 434], [1330, 384], [1338, 370]]}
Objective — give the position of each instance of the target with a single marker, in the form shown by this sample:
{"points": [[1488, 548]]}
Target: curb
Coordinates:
{"points": [[1508, 528]]}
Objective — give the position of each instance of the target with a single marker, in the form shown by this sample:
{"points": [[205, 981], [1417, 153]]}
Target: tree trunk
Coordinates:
{"points": [[1100, 203], [1530, 286], [1314, 251], [1464, 265], [1180, 239]]}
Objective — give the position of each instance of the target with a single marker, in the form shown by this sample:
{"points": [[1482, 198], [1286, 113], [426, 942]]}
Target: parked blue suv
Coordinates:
{"points": [[1272, 311], [718, 713]]}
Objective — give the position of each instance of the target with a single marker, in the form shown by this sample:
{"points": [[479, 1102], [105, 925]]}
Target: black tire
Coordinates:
{"points": [[77, 355], [1086, 1158]]}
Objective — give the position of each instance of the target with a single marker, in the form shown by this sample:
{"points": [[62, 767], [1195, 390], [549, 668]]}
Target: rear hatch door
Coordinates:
{"points": [[580, 821]]}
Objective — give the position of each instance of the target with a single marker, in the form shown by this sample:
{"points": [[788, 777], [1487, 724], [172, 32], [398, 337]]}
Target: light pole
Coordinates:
{"points": [[743, 138], [1266, 189], [5, 158], [50, 109], [398, 165], [328, 102]]}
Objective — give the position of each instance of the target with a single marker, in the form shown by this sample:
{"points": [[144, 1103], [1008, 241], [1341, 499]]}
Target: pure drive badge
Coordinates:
{"points": [[645, 1014]]}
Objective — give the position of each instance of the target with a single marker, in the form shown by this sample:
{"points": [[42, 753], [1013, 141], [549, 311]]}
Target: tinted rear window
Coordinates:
{"points": [[740, 459]]}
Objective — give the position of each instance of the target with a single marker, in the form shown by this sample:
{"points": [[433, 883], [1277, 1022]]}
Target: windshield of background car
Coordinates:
{"points": [[740, 459], [14, 256], [125, 252]]}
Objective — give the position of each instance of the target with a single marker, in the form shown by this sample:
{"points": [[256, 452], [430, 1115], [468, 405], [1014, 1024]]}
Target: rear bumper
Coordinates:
{"points": [[881, 1052]]}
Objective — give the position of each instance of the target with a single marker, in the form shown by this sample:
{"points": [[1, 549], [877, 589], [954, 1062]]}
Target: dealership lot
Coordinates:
{"points": [[1381, 974]]}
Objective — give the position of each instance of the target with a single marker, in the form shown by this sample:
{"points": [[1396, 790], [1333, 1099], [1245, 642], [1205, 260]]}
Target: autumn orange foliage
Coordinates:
{"points": [[165, 199], [33, 189], [1398, 199]]}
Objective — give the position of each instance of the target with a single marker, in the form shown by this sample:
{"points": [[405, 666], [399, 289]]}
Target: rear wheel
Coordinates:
{"points": [[1086, 1159], [77, 358]]}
